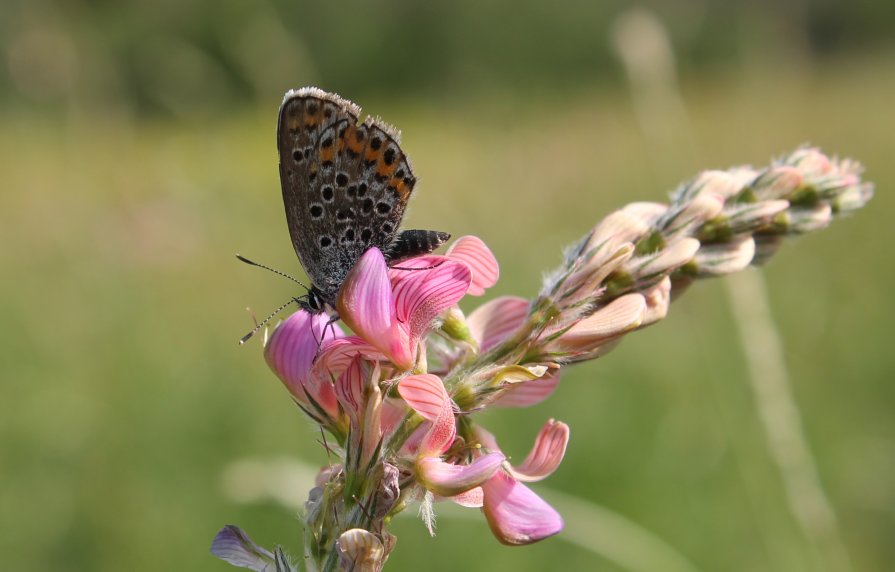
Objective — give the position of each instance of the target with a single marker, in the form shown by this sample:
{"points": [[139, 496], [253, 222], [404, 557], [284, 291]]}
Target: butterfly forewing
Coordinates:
{"points": [[345, 185]]}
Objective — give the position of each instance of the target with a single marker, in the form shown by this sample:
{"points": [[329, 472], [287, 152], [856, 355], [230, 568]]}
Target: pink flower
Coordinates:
{"points": [[493, 323], [426, 395], [394, 314], [290, 353], [515, 514]]}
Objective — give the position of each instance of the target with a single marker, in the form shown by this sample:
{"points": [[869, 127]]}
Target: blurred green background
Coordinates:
{"points": [[137, 156]]}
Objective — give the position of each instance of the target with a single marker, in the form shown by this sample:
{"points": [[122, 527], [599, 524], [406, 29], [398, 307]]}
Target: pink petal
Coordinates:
{"points": [[528, 393], [365, 300], [421, 295], [618, 317], [442, 434], [413, 444], [515, 514], [658, 299], [473, 498], [447, 479], [350, 390], [425, 393], [337, 355], [547, 453], [472, 251], [290, 351], [393, 411], [494, 321]]}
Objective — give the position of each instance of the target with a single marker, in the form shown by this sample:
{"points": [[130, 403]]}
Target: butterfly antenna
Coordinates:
{"points": [[274, 270], [248, 336]]}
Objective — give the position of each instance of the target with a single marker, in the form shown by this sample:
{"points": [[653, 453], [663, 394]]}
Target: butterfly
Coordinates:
{"points": [[345, 188]]}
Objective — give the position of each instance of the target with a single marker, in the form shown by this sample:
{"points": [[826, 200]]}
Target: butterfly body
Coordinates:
{"points": [[345, 188]]}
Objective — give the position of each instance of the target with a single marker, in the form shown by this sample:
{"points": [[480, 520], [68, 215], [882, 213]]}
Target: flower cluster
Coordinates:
{"points": [[399, 396]]}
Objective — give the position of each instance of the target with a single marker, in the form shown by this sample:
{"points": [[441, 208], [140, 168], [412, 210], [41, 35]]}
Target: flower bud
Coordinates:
{"points": [[810, 161], [618, 317], [361, 551], [724, 258], [808, 219], [777, 183], [658, 299], [766, 246], [646, 268]]}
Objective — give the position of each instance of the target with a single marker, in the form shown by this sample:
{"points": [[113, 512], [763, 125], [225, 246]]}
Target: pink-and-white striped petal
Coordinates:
{"points": [[290, 352], [494, 321], [515, 513], [528, 393], [349, 388], [448, 479], [336, 355], [425, 393], [365, 299], [546, 455], [421, 295], [473, 252]]}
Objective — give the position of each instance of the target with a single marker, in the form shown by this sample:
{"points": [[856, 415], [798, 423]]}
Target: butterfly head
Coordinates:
{"points": [[315, 302]]}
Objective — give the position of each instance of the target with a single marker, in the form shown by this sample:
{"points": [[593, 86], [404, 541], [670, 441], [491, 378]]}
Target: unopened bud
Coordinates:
{"points": [[361, 551], [777, 183], [724, 258], [805, 219]]}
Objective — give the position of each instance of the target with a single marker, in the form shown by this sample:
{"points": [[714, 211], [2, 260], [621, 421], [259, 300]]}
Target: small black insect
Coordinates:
{"points": [[345, 187]]}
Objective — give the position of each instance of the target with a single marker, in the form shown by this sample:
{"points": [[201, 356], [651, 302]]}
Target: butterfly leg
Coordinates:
{"points": [[331, 325]]}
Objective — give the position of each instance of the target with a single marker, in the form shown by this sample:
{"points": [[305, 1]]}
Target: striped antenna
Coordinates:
{"points": [[274, 270], [246, 337]]}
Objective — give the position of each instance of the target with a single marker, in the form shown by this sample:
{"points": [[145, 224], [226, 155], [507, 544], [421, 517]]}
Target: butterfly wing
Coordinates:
{"points": [[345, 186]]}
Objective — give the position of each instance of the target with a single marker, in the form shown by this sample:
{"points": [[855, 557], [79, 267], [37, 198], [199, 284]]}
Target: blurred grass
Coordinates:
{"points": [[125, 395]]}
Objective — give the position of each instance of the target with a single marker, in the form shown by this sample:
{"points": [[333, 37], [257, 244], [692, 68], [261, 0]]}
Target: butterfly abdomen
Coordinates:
{"points": [[410, 243]]}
